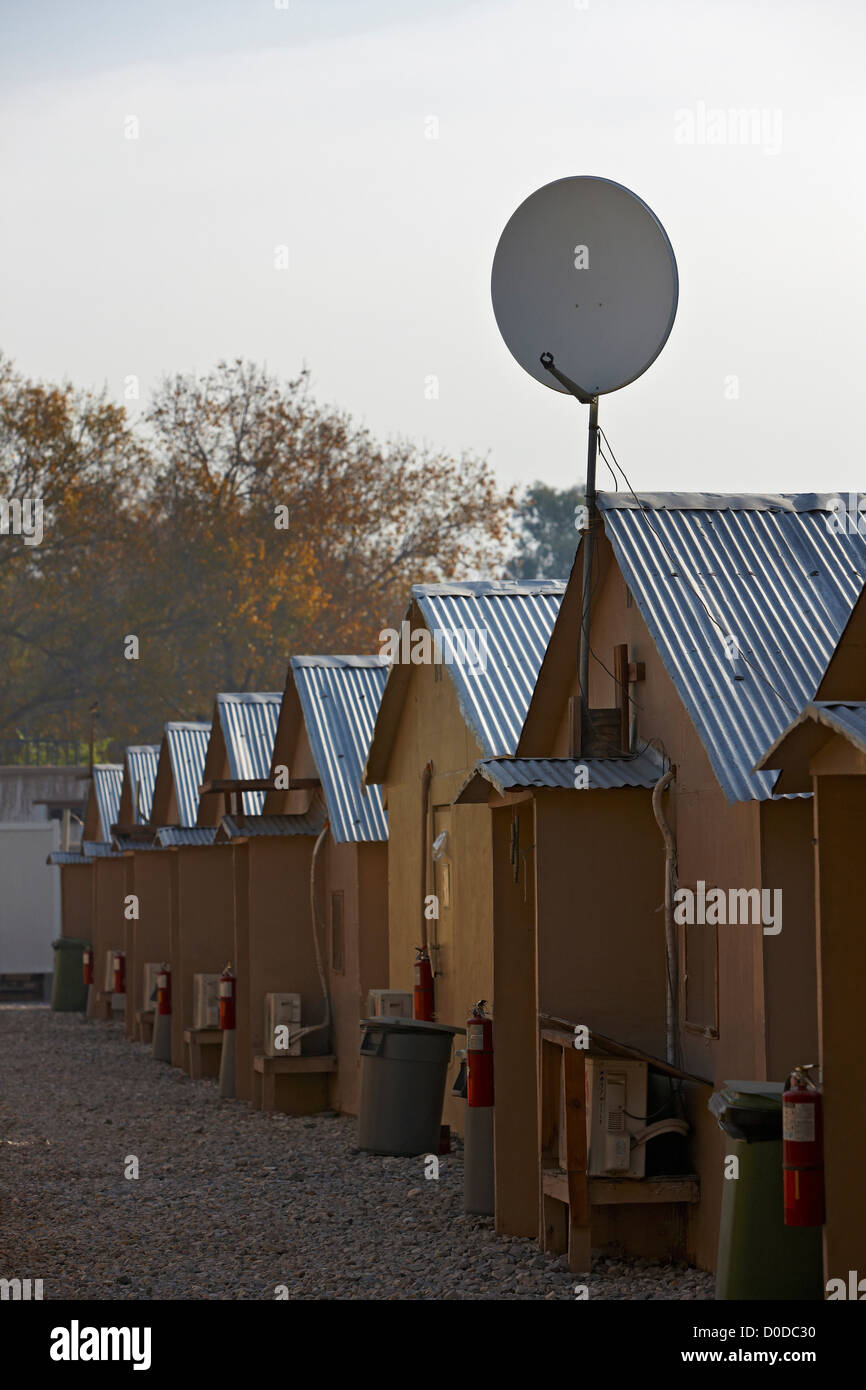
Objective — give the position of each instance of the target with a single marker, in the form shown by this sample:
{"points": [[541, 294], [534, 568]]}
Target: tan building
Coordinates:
{"points": [[326, 724], [824, 751], [711, 618], [132, 836], [202, 937], [465, 664]]}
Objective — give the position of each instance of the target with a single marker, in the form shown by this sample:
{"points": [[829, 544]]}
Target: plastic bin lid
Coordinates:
{"points": [[754, 1091], [70, 943], [412, 1025]]}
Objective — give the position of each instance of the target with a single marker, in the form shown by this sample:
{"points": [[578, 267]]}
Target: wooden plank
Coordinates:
{"points": [[618, 1191], [565, 1029], [633, 1191], [552, 1215], [579, 1222], [620, 671]]}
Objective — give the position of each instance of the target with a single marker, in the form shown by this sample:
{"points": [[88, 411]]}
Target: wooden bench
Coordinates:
{"points": [[204, 1046], [567, 1193], [307, 1088]]}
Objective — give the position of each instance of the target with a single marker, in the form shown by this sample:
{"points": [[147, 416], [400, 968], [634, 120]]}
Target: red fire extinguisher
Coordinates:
{"points": [[87, 963], [163, 990], [803, 1150], [227, 998], [422, 999], [479, 1056], [119, 982]]}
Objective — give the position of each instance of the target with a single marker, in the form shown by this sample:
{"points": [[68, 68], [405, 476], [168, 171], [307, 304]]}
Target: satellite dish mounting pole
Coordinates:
{"points": [[586, 583], [585, 398]]}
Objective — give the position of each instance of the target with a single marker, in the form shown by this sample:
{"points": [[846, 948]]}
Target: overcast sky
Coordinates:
{"points": [[309, 127]]}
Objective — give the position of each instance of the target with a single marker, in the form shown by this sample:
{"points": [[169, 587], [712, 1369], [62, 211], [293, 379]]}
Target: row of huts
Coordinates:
{"points": [[463, 795]]}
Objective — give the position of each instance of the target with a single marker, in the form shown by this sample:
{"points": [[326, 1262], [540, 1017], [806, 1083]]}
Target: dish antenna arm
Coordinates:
{"points": [[549, 365]]}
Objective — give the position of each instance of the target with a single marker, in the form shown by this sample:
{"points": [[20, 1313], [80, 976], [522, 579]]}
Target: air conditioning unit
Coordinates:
{"points": [[151, 971], [616, 1099], [282, 1012], [206, 1001], [389, 1003]]}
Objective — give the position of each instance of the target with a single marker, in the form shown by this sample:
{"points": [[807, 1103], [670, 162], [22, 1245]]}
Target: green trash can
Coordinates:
{"points": [[759, 1256], [68, 990], [404, 1063]]}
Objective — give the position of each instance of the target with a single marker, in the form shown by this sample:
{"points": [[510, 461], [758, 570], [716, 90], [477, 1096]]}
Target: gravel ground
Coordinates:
{"points": [[231, 1203]]}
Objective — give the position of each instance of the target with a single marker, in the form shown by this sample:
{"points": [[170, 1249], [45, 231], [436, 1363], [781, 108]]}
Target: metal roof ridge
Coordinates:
{"points": [[718, 501], [492, 588]]}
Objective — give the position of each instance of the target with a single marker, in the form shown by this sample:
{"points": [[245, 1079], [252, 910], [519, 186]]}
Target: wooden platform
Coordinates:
{"points": [[197, 1041], [310, 1091], [567, 1193]]}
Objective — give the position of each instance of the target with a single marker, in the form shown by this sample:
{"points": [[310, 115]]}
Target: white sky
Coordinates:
{"points": [[305, 127]]}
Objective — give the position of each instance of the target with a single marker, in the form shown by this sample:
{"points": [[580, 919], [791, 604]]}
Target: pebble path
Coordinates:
{"points": [[235, 1203]]}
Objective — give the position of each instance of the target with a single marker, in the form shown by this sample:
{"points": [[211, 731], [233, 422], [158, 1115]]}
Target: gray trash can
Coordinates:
{"points": [[404, 1064]]}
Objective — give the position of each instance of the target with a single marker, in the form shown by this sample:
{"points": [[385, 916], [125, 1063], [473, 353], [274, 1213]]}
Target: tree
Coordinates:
{"points": [[546, 535], [241, 523]]}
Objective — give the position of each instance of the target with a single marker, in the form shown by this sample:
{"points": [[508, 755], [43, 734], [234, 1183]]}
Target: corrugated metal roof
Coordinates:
{"points": [[777, 579], [124, 843], [172, 836], [107, 784], [508, 774], [66, 856], [251, 826], [340, 698], [187, 745], [849, 720], [141, 762], [516, 620], [99, 849], [249, 725]]}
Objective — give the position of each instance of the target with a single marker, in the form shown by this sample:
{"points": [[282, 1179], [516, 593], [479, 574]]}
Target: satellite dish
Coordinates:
{"points": [[584, 273]]}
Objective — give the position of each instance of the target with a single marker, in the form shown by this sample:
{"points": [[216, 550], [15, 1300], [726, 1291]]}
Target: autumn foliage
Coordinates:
{"points": [[239, 523]]}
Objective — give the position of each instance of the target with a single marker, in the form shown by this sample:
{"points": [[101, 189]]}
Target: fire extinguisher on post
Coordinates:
{"points": [[422, 998], [479, 1056], [227, 998], [228, 1056], [803, 1150], [479, 1195], [119, 980], [161, 1042]]}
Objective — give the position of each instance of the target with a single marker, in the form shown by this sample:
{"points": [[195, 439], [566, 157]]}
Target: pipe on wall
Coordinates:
{"points": [[670, 934]]}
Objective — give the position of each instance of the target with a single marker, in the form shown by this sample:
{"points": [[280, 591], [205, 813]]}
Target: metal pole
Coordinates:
{"points": [[588, 540]]}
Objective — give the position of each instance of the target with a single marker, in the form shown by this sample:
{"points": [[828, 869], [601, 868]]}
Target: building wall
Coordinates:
{"points": [[76, 900], [22, 787], [273, 943], [201, 932], [108, 878], [840, 814], [432, 728], [359, 872], [148, 940], [744, 996], [515, 1022], [29, 898]]}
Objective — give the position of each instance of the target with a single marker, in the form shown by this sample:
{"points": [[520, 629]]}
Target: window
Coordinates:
{"points": [[337, 933]]}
